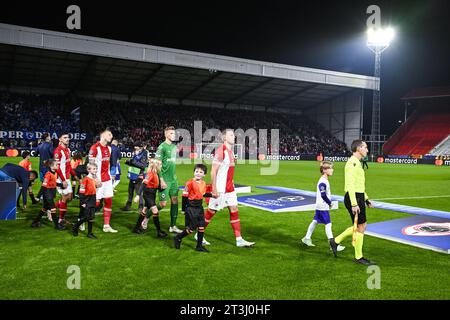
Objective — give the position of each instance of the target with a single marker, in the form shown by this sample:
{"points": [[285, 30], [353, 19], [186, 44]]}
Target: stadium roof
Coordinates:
{"points": [[427, 93], [73, 63]]}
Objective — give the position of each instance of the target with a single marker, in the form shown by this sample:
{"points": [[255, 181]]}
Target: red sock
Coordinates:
{"points": [[107, 210], [235, 223], [62, 209], [208, 216]]}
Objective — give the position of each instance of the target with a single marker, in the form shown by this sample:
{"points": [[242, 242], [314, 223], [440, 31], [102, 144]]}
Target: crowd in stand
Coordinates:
{"points": [[35, 113], [131, 121]]}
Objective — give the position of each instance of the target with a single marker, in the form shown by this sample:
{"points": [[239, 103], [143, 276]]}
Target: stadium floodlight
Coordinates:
{"points": [[380, 37], [378, 40]]}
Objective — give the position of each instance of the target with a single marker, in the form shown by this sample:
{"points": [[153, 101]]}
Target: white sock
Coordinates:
{"points": [[238, 238], [116, 182], [311, 228], [328, 231]]}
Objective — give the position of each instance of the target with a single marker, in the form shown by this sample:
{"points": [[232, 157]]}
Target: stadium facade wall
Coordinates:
{"points": [[342, 116]]}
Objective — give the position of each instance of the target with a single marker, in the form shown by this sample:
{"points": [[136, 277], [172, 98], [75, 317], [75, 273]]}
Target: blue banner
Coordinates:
{"points": [[425, 232], [376, 204], [279, 202]]}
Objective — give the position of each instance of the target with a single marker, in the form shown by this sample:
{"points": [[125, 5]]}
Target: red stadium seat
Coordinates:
{"points": [[421, 133]]}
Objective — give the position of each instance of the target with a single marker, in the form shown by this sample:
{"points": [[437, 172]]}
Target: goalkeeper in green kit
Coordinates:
{"points": [[167, 152]]}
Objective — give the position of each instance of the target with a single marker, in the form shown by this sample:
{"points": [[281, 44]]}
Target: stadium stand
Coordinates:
{"points": [[132, 121], [426, 128], [22, 112], [442, 149]]}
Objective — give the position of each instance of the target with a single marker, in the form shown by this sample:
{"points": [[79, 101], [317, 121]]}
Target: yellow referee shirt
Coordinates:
{"points": [[355, 179]]}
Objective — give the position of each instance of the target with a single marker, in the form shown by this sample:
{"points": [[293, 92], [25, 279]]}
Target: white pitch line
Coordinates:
{"points": [[407, 198]]}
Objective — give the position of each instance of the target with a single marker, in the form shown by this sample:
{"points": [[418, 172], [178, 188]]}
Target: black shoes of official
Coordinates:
{"points": [[333, 246], [60, 227], [161, 234], [126, 208], [75, 231], [36, 224], [365, 262], [201, 249], [34, 200], [177, 242]]}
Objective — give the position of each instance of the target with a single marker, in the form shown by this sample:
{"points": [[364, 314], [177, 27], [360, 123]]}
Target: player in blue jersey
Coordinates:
{"points": [[115, 163]]}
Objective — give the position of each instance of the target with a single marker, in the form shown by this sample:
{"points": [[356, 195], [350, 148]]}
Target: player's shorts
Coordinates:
{"points": [[194, 217], [322, 217], [149, 196], [170, 191], [65, 191], [116, 172], [49, 196], [88, 212], [361, 204], [228, 199], [105, 191]]}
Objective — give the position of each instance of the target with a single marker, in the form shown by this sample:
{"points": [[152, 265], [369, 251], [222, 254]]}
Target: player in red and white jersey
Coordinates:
{"points": [[222, 174], [100, 154], [62, 156]]}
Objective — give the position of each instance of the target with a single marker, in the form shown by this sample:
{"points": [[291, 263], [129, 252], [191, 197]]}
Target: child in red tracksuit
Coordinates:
{"points": [[88, 190], [49, 193]]}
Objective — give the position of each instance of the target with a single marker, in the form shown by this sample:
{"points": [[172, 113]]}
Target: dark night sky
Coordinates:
{"points": [[319, 34]]}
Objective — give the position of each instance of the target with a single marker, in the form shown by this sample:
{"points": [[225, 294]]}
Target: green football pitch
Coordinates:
{"points": [[34, 262]]}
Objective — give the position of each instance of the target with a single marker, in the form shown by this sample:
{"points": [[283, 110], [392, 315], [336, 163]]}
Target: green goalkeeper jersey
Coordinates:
{"points": [[168, 155]]}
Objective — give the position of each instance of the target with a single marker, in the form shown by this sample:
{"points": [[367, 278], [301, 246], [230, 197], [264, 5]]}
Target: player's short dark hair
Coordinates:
{"points": [[49, 162], [78, 155], [35, 173], [45, 135], [25, 154], [64, 133], [202, 167], [356, 144], [169, 128]]}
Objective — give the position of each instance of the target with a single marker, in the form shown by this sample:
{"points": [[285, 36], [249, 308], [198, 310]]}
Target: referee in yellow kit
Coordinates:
{"points": [[355, 201]]}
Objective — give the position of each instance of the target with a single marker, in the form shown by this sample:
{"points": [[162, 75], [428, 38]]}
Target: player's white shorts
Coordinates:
{"points": [[105, 191], [228, 199], [65, 191]]}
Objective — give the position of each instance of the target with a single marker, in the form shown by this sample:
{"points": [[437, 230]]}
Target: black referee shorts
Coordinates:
{"points": [[361, 204]]}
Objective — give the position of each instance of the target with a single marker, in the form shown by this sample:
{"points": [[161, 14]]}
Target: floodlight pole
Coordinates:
{"points": [[376, 105]]}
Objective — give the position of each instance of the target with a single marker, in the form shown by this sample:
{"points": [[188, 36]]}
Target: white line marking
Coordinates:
{"points": [[407, 198]]}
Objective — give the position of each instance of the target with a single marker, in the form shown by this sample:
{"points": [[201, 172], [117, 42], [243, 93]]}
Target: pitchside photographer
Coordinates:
{"points": [[136, 167]]}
